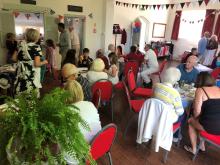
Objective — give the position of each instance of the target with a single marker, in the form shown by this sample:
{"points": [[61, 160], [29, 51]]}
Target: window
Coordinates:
{"points": [[191, 25]]}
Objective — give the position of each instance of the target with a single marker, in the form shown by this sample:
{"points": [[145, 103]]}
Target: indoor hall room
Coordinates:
{"points": [[110, 82]]}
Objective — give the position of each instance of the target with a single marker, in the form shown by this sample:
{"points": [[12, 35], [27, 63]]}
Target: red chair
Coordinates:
{"points": [[102, 142], [134, 108], [176, 127], [106, 89], [131, 65], [96, 98], [206, 137], [162, 65], [136, 91], [215, 73]]}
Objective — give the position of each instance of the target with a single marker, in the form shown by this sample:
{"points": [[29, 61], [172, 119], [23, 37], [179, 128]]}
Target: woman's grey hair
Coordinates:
{"points": [[171, 75]]}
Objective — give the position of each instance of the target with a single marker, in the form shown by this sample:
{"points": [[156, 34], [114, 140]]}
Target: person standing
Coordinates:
{"points": [[74, 41], [64, 43], [211, 50], [11, 45], [151, 66], [202, 44]]}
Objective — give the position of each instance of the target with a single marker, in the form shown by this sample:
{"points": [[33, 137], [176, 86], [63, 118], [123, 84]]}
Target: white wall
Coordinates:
{"points": [[124, 16], [181, 45], [92, 40]]}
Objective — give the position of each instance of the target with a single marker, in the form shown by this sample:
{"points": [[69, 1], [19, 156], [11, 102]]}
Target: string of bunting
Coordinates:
{"points": [[162, 6]]}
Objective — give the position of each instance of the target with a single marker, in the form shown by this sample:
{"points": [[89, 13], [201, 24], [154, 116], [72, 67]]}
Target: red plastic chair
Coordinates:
{"points": [[206, 137], [215, 73], [102, 142], [131, 65], [162, 65], [136, 91], [106, 89], [134, 108], [96, 98]]}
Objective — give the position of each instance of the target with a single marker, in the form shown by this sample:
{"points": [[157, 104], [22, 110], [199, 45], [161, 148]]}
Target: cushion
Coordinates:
{"points": [[136, 105], [143, 92], [214, 138]]}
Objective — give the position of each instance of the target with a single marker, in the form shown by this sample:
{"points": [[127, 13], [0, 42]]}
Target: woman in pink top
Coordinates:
{"points": [[51, 57]]}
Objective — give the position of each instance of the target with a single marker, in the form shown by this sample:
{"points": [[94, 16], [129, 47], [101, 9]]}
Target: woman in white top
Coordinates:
{"points": [[87, 110], [96, 71], [113, 70]]}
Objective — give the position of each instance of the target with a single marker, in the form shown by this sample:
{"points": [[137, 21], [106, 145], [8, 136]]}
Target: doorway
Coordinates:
{"points": [[25, 20], [78, 22]]}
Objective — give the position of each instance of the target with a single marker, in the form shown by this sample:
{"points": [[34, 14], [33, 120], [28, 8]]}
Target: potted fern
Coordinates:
{"points": [[38, 131]]}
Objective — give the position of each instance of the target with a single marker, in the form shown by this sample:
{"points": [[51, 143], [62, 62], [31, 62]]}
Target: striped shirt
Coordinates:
{"points": [[166, 93]]}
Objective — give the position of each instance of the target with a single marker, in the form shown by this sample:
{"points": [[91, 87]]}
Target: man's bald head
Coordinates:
{"points": [[191, 62]]}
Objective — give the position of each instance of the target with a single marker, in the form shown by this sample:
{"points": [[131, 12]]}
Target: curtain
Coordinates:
{"points": [[176, 26], [217, 28], [209, 21]]}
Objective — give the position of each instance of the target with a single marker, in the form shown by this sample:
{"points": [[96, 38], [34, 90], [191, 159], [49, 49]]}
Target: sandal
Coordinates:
{"points": [[189, 149]]}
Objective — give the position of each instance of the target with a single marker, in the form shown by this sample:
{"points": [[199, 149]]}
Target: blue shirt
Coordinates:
{"points": [[188, 77], [202, 45]]}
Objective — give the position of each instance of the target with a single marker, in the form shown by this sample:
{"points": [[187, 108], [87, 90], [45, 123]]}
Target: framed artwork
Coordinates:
{"points": [[159, 30], [31, 2]]}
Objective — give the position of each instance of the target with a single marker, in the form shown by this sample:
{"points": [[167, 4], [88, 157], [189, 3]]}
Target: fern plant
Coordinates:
{"points": [[34, 131]]}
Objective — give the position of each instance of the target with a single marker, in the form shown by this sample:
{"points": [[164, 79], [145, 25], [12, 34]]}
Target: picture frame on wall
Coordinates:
{"points": [[30, 2], [159, 30]]}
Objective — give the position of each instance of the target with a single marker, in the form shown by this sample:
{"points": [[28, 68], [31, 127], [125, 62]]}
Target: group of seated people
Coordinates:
{"points": [[204, 115]]}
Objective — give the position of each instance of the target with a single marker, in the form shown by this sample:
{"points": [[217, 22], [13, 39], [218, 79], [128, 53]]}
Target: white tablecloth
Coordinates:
{"points": [[203, 68]]}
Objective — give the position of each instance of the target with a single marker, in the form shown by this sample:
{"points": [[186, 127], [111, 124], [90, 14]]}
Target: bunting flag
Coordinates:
{"points": [[27, 15], [206, 2], [16, 14], [187, 4], [182, 5], [162, 6], [200, 2], [37, 15]]}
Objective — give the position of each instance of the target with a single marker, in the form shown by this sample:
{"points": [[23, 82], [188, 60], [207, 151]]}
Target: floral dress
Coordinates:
{"points": [[27, 76]]}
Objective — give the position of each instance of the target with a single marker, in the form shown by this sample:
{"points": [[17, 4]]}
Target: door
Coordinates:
{"points": [[78, 23]]}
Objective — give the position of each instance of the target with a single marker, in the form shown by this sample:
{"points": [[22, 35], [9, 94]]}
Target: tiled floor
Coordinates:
{"points": [[125, 152]]}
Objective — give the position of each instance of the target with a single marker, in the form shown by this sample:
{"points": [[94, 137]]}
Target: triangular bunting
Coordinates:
{"points": [[167, 6], [187, 4], [182, 4], [177, 5], [172, 5], [116, 2], [146, 6], [200, 2], [150, 6], [136, 5], [154, 6], [133, 5], [206, 2], [143, 6], [158, 6], [127, 4], [162, 6], [124, 4]]}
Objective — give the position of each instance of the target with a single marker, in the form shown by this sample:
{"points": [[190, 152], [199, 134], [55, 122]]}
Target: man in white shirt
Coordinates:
{"points": [[74, 41], [151, 66]]}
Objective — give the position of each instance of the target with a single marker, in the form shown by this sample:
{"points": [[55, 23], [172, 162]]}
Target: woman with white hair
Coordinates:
{"points": [[211, 50], [96, 71], [167, 93]]}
